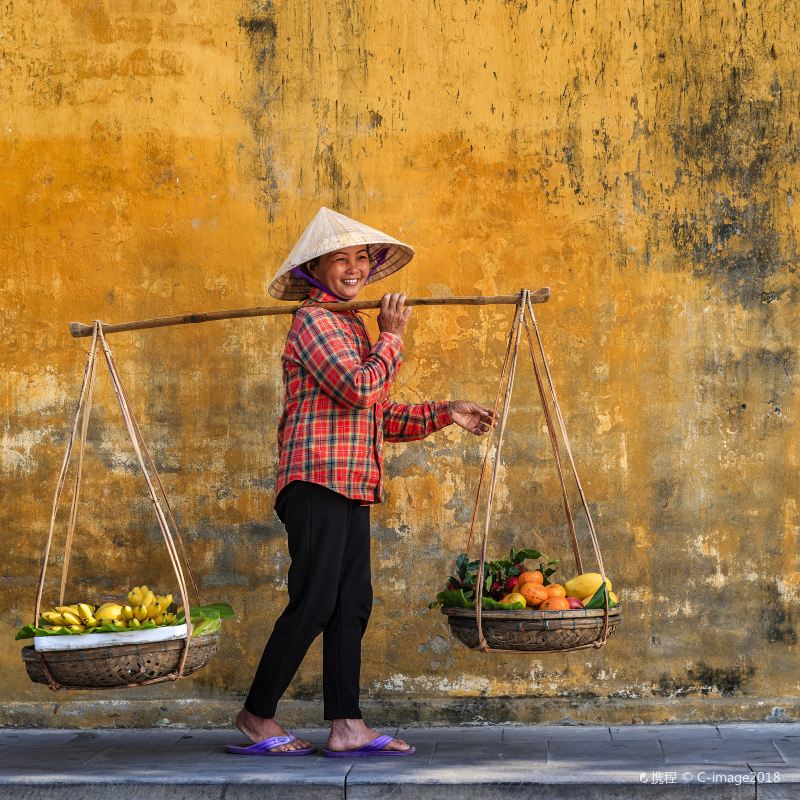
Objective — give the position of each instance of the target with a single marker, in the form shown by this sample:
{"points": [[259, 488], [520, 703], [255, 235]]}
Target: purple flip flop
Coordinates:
{"points": [[373, 748], [266, 748]]}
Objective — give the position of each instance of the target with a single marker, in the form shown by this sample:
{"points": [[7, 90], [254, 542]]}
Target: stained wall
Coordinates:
{"points": [[638, 159]]}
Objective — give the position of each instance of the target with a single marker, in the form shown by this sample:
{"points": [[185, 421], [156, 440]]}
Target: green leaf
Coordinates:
{"points": [[527, 553], [490, 604], [454, 598], [210, 611], [461, 565], [26, 632], [597, 600], [206, 626]]}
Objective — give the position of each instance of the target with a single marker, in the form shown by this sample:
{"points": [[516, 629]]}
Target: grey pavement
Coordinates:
{"points": [[540, 762]]}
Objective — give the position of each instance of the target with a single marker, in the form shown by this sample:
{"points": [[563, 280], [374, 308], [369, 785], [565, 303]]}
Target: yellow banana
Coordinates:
{"points": [[72, 609], [159, 620], [134, 623], [169, 618], [140, 613], [70, 618], [166, 601], [110, 613], [78, 628], [85, 611], [91, 622], [53, 617], [135, 596], [153, 610], [149, 598], [127, 613], [119, 623]]}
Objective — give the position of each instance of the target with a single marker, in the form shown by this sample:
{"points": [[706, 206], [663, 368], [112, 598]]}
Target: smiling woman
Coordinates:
{"points": [[336, 416], [343, 272]]}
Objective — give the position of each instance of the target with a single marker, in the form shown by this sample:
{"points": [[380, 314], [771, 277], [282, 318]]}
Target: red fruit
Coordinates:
{"points": [[451, 585], [511, 583], [574, 602]]}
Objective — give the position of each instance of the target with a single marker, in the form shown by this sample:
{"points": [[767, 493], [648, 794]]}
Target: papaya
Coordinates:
{"points": [[585, 585]]}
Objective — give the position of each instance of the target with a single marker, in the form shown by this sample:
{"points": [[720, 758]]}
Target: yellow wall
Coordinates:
{"points": [[639, 159]]}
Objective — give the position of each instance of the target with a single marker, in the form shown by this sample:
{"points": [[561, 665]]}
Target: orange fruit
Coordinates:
{"points": [[534, 593], [530, 576], [554, 604], [555, 590]]}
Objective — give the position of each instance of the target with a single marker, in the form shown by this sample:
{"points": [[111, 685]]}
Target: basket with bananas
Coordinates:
{"points": [[137, 640]]}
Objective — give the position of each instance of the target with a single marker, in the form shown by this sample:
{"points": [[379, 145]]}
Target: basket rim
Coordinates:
{"points": [[531, 613], [122, 649]]}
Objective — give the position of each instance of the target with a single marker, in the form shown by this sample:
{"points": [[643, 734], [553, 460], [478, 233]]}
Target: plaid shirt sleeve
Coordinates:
{"points": [[406, 422], [327, 351]]}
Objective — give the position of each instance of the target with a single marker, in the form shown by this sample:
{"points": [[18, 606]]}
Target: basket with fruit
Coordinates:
{"points": [[502, 605], [522, 608], [121, 642]]}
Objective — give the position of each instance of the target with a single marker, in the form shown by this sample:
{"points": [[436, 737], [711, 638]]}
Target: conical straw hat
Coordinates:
{"points": [[330, 231]]}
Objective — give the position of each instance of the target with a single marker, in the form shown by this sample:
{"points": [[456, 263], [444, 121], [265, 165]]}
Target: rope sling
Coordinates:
{"points": [[542, 631], [122, 665]]}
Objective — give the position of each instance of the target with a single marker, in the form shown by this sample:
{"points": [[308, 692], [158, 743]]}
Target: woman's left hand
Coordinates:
{"points": [[472, 417]]}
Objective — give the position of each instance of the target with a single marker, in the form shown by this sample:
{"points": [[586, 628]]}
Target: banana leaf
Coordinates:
{"points": [[455, 598], [210, 611], [29, 631]]}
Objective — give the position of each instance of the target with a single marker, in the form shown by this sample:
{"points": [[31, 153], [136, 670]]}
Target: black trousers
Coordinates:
{"points": [[330, 592]]}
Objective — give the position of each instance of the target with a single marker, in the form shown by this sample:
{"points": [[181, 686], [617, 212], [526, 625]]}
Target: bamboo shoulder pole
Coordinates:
{"points": [[78, 329]]}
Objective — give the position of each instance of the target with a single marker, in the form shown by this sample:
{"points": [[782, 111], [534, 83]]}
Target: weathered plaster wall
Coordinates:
{"points": [[640, 159]]}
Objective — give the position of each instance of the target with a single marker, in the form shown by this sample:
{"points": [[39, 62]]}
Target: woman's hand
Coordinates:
{"points": [[393, 315], [472, 417]]}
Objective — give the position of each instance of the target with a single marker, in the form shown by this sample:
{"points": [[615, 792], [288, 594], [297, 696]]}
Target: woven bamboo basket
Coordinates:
{"points": [[126, 664], [118, 665], [531, 630]]}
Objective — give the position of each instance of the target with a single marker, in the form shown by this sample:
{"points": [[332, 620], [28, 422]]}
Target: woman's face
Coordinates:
{"points": [[344, 271]]}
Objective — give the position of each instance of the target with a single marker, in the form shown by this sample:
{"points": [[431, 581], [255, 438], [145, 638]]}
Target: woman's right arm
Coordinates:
{"points": [[327, 350]]}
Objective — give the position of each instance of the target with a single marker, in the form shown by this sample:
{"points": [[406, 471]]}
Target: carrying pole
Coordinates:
{"points": [[79, 329]]}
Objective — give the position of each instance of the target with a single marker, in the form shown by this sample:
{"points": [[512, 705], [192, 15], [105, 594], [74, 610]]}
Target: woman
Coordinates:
{"points": [[336, 416]]}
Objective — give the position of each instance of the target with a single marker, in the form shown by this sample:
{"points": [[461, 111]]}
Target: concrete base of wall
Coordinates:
{"points": [[121, 712]]}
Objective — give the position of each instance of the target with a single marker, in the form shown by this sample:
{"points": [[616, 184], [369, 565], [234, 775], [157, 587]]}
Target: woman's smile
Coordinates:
{"points": [[344, 271]]}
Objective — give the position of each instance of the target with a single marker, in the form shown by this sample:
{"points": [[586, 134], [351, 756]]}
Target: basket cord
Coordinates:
{"points": [[62, 476], [73, 511], [511, 355], [162, 521], [556, 452], [568, 448], [488, 447], [517, 330], [164, 497]]}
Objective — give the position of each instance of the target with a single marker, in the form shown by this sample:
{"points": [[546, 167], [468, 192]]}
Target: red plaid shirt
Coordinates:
{"points": [[336, 411]]}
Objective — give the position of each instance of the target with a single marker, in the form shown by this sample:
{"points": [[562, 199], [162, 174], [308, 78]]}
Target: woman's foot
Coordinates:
{"points": [[259, 728], [350, 734]]}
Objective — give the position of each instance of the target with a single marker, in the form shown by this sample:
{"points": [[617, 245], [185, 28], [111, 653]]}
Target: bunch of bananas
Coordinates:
{"points": [[144, 606]]}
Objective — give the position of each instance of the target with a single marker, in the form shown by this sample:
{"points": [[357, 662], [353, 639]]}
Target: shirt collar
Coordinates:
{"points": [[317, 295]]}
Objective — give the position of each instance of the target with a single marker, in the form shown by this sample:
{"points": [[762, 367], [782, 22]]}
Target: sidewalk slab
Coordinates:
{"points": [[719, 751], [548, 762]]}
